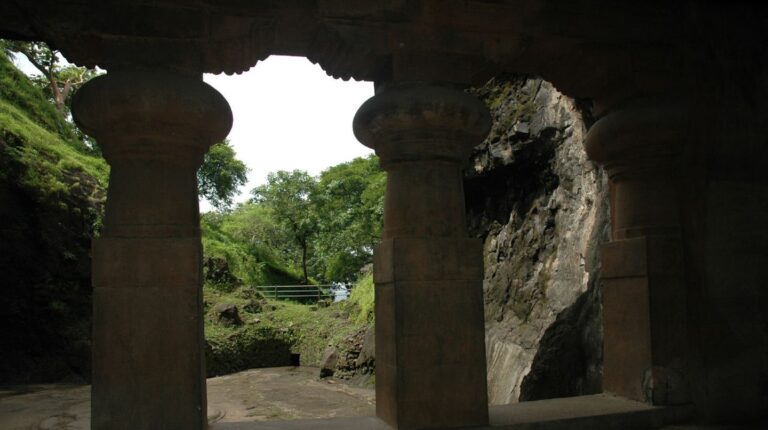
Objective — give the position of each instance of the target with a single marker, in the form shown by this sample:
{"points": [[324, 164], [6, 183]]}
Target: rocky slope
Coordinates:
{"points": [[541, 208]]}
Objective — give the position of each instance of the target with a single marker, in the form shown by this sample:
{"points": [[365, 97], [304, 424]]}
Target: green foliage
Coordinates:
{"points": [[17, 89], [313, 327], [289, 196], [361, 300], [333, 221], [220, 175], [262, 339], [58, 80], [34, 136], [349, 202], [249, 260]]}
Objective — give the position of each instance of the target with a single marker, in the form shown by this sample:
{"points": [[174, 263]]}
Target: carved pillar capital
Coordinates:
{"points": [[152, 115], [639, 144], [643, 137], [423, 133], [416, 121], [154, 128]]}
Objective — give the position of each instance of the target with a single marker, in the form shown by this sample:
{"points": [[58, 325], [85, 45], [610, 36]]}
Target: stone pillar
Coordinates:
{"points": [[148, 360], [643, 287], [430, 351]]}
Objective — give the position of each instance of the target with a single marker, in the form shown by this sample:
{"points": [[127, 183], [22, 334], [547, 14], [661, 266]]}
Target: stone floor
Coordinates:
{"points": [[597, 412], [283, 393], [289, 398]]}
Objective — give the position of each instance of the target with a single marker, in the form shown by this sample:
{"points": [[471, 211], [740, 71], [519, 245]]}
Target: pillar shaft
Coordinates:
{"points": [[430, 362], [148, 359], [644, 293]]}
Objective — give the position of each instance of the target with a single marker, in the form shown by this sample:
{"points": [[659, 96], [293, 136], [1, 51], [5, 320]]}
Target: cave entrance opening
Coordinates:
{"points": [[687, 183]]}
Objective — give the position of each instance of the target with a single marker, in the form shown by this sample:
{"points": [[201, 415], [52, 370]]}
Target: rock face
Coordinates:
{"points": [[541, 208], [357, 354]]}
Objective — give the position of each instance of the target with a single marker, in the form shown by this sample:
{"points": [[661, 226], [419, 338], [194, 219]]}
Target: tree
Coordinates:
{"points": [[221, 175], [59, 79], [350, 199], [289, 196]]}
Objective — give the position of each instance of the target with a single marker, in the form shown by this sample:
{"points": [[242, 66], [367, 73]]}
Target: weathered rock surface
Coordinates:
{"points": [[328, 362], [356, 354], [227, 314], [541, 208], [367, 357]]}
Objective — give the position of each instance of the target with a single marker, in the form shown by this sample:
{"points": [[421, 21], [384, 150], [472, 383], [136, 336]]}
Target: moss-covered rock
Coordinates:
{"points": [[249, 347]]}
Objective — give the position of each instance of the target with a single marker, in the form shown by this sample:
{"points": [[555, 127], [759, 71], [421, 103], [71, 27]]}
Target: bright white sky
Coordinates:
{"points": [[288, 114]]}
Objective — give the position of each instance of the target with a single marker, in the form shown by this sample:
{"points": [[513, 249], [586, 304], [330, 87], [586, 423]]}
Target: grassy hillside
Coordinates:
{"points": [[51, 197], [272, 330], [234, 255]]}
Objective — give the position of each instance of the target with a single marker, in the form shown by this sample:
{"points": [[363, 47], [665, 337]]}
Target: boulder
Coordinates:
{"points": [[328, 362], [253, 306], [367, 355], [227, 314]]}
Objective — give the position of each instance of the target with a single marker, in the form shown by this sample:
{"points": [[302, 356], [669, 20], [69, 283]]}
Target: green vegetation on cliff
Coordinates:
{"points": [[239, 250], [52, 192]]}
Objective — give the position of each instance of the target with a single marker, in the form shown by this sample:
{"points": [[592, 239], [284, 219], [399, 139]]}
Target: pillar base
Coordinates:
{"points": [[644, 315], [148, 367], [430, 349]]}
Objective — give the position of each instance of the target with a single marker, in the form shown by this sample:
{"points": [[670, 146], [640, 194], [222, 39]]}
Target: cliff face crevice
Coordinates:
{"points": [[541, 208]]}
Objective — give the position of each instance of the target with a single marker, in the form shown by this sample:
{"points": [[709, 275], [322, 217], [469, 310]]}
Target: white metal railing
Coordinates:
{"points": [[296, 291]]}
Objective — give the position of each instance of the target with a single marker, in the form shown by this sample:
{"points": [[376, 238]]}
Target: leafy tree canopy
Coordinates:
{"points": [[221, 175], [350, 197], [289, 196], [332, 221]]}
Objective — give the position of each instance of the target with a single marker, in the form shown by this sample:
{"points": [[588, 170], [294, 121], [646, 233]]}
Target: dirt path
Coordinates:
{"points": [[254, 395]]}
